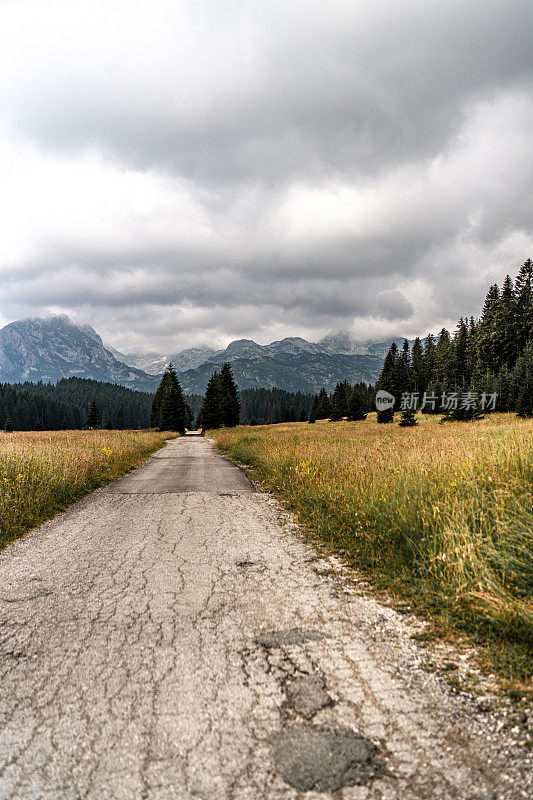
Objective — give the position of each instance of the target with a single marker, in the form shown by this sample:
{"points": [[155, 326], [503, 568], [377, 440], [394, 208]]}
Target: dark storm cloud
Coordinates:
{"points": [[241, 167]]}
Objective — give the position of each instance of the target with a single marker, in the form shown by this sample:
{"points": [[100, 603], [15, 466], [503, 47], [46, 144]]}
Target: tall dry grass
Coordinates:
{"points": [[42, 472], [441, 514]]}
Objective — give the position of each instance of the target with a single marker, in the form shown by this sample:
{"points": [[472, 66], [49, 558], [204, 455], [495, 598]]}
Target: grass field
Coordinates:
{"points": [[440, 515], [43, 472]]}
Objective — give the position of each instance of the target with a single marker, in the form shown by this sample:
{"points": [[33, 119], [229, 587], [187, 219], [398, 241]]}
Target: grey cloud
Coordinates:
{"points": [[422, 108], [314, 91], [394, 305]]}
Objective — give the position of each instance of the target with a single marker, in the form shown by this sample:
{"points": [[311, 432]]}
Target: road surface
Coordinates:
{"points": [[171, 636]]}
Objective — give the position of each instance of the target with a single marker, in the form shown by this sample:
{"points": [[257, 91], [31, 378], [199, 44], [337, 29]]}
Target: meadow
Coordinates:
{"points": [[439, 516], [41, 473]]}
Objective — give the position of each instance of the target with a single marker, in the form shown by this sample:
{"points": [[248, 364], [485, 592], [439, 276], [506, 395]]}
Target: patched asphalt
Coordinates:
{"points": [[171, 638]]}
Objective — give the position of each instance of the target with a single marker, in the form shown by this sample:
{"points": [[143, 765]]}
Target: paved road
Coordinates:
{"points": [[172, 637]]}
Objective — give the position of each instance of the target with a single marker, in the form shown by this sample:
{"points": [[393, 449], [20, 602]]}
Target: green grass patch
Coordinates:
{"points": [[42, 473], [439, 515]]}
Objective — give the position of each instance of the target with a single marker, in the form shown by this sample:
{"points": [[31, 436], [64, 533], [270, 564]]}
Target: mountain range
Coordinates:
{"points": [[54, 348]]}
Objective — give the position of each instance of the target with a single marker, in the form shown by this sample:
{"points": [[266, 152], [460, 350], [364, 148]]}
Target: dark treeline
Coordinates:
{"points": [[78, 393], [489, 355], [270, 406], [24, 410], [346, 401], [77, 403]]}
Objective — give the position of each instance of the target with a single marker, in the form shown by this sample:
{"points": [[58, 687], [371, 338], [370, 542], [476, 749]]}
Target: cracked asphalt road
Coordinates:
{"points": [[171, 637]]}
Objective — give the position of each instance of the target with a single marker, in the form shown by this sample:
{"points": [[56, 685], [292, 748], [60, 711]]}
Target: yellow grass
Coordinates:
{"points": [[42, 472], [440, 514]]}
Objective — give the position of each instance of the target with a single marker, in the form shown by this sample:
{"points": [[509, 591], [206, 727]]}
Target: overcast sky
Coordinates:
{"points": [[180, 173]]}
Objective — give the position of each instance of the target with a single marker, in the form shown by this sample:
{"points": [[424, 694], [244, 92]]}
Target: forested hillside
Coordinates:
{"points": [[25, 411], [491, 355], [110, 397], [44, 406], [268, 406]]}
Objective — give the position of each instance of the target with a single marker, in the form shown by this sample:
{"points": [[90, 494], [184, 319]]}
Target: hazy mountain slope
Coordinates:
{"points": [[155, 363], [305, 372], [54, 348]]}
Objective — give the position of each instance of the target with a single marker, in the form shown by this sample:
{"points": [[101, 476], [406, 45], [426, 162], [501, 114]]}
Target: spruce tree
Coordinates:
{"points": [[523, 382], [155, 412], [230, 406], [172, 412], [463, 414], [524, 305], [403, 374], [504, 333], [408, 418], [324, 405], [444, 366], [357, 408], [209, 416], [487, 356], [429, 361], [460, 355], [339, 401], [94, 416], [389, 374], [471, 349], [387, 415], [313, 411], [417, 367]]}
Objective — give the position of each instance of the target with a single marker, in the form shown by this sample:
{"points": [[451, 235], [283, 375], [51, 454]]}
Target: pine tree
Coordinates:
{"points": [[387, 415], [119, 422], [444, 367], [504, 324], [460, 414], [94, 416], [429, 361], [403, 375], [487, 356], [523, 382], [408, 418], [324, 405], [8, 425], [357, 408], [339, 401], [303, 416], [335, 414], [387, 378], [209, 416], [230, 406], [524, 305], [155, 412], [471, 348], [460, 355], [109, 425], [417, 367], [172, 412]]}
